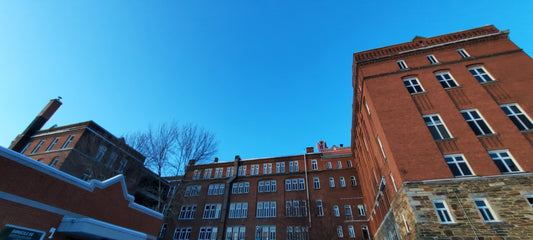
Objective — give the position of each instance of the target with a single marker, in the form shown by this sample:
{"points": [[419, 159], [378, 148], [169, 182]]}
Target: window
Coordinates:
{"points": [[349, 163], [254, 170], [381, 148], [354, 182], [519, 118], [187, 212], [413, 85], [266, 209], [446, 80], [297, 232], [402, 64], [208, 233], [432, 59], [296, 208], [267, 168], [53, 162], [348, 211], [267, 186], [265, 233], [163, 230], [293, 166], [194, 190], [69, 139], [336, 211], [463, 53], [319, 208], [171, 191], [314, 165], [52, 144], [112, 158], [316, 183], [182, 233], [122, 166], [218, 172], [362, 210], [484, 209], [367, 108], [216, 189], [505, 161], [339, 164], [343, 182], [38, 146], [393, 182], [196, 174], [436, 127], [87, 174], [240, 187], [26, 147], [242, 171], [238, 210], [230, 171], [207, 173], [458, 165], [331, 182], [481, 74], [236, 233], [351, 231], [100, 154], [212, 211], [329, 165], [339, 231], [530, 200], [442, 211], [280, 167], [295, 184], [476, 122]]}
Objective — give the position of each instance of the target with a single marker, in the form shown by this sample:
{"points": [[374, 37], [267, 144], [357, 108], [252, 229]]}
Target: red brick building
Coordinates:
{"points": [[440, 124], [40, 202], [309, 196]]}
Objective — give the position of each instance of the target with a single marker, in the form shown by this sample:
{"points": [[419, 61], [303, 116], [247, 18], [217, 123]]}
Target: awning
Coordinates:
{"points": [[94, 229]]}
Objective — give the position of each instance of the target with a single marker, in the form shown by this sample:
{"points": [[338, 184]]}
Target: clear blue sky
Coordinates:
{"points": [[268, 77]]}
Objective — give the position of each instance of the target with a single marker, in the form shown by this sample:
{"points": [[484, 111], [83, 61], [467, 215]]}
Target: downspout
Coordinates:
{"points": [[307, 189], [227, 191]]}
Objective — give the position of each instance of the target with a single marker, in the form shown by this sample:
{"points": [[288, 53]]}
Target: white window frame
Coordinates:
{"points": [[314, 165], [351, 231], [432, 59], [329, 165], [481, 74], [446, 80], [37, 147], [402, 64], [331, 182], [342, 181], [100, 154], [438, 125], [506, 161], [348, 211], [336, 211], [254, 169], [353, 180], [443, 213], [463, 53], [320, 208], [485, 210], [518, 116], [362, 210], [52, 144], [339, 164], [339, 232], [316, 182], [460, 164], [413, 85], [477, 122], [381, 148]]}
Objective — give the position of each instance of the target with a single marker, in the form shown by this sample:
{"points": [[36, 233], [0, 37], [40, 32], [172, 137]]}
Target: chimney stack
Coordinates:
{"points": [[216, 159], [342, 145], [310, 149], [20, 142]]}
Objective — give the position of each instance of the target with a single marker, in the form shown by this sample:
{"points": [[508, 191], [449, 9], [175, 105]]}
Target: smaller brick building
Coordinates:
{"points": [[38, 201]]}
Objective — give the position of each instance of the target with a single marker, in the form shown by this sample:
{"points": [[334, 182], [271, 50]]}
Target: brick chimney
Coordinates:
{"points": [[310, 149], [216, 159]]}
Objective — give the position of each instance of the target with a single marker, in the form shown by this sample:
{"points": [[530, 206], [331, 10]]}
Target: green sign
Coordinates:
{"points": [[11, 232]]}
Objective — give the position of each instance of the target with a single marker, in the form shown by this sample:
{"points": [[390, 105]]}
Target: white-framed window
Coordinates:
{"points": [[122, 166], [484, 209], [481, 74], [242, 171], [53, 162], [381, 147], [236, 233], [530, 200], [212, 211], [196, 175], [171, 191], [331, 182], [316, 182], [193, 190], [463, 53], [329, 165], [353, 180], [367, 108], [254, 169], [187, 212], [100, 154], [336, 211], [442, 211], [52, 144], [293, 166], [238, 210], [362, 210], [208, 233], [458, 165], [163, 230], [296, 208], [348, 211], [218, 172], [67, 142], [314, 165], [297, 233], [446, 80], [504, 161], [339, 164], [207, 173], [413, 85], [319, 208], [476, 121], [230, 171], [266, 209], [517, 115], [216, 189], [343, 182], [265, 233], [351, 231], [267, 168], [112, 158], [266, 186], [183, 233], [240, 188], [393, 182], [349, 163], [437, 127], [280, 167], [339, 232], [432, 59], [38, 146], [402, 64], [295, 184]]}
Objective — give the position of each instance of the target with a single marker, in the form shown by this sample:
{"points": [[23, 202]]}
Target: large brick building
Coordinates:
{"points": [[308, 196], [442, 137]]}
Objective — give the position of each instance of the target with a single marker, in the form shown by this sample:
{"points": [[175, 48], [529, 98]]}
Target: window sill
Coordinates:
{"points": [[445, 140], [526, 131], [450, 88], [417, 93], [489, 82], [488, 135], [450, 223]]}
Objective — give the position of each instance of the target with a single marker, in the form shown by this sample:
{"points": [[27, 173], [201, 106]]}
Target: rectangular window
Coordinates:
{"points": [[348, 211], [442, 211], [463, 53], [267, 168], [112, 158], [267, 186], [458, 165], [208, 233], [265, 233], [331, 182], [230, 171], [314, 165], [446, 80], [236, 233], [182, 233], [481, 74], [484, 209], [329, 165], [402, 64], [339, 232], [293, 166], [343, 182], [216, 189], [354, 182], [295, 184], [38, 146], [413, 85], [207, 173], [336, 211], [519, 118], [240, 187], [280, 167], [349, 163], [266, 209], [319, 208], [100, 154], [362, 210], [193, 190], [436, 127], [351, 231], [163, 230], [196, 174], [339, 164], [504, 161], [25, 147], [122, 166], [254, 170], [476, 122], [393, 182], [69, 139], [52, 144], [296, 208], [530, 200], [381, 148], [367, 108], [316, 183], [238, 210], [242, 171], [432, 59], [212, 211], [187, 212], [54, 162], [218, 172]]}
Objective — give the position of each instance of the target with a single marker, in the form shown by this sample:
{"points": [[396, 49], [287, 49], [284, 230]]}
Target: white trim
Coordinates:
{"points": [[92, 227]]}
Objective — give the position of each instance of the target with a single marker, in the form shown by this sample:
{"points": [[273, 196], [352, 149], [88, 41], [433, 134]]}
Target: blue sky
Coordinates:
{"points": [[269, 78]]}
